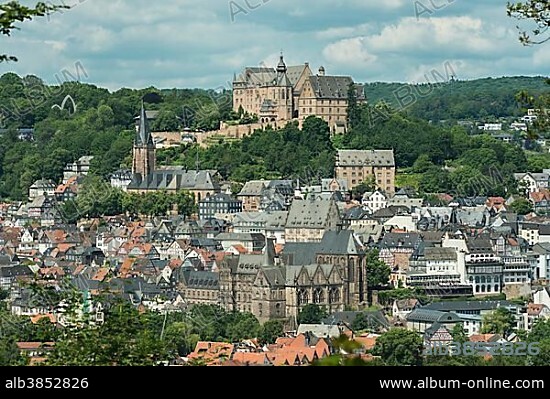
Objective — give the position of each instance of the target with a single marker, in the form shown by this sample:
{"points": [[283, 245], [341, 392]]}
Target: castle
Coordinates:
{"points": [[294, 93]]}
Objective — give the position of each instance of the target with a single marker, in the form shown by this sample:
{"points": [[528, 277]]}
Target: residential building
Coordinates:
{"points": [[532, 182], [251, 195], [220, 203], [270, 224], [532, 314], [121, 179], [309, 219], [358, 166], [42, 187], [374, 201], [78, 168]]}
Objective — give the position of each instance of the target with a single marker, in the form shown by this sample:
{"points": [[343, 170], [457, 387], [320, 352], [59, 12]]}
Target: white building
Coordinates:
{"points": [[375, 200], [80, 167], [532, 182]]}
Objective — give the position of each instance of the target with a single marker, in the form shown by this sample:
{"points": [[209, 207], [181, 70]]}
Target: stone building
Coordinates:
{"points": [[146, 177], [308, 219], [284, 93], [358, 166], [327, 98], [330, 273]]}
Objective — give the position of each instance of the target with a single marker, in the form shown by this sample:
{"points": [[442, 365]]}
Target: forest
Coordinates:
{"points": [[432, 157], [439, 99]]}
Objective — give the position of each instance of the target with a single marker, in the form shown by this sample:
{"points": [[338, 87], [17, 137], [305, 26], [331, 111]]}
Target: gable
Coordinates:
{"points": [[319, 277]]}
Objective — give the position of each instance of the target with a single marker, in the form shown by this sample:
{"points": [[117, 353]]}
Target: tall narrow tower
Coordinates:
{"points": [[144, 149], [285, 91]]}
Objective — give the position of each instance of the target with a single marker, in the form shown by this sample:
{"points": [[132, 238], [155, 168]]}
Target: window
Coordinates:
{"points": [[318, 295]]}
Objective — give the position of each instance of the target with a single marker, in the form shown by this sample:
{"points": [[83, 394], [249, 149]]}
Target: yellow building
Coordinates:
{"points": [[357, 166], [287, 93]]}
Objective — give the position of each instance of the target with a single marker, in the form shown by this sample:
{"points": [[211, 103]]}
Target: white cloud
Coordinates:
{"points": [[193, 43], [349, 52]]}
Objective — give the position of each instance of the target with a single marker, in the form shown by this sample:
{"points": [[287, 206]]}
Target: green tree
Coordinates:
{"points": [[312, 314], [271, 330], [538, 12], [122, 340], [458, 333], [241, 326], [365, 322], [422, 164], [368, 185], [378, 273], [44, 331], [502, 321], [9, 353], [12, 12], [353, 108], [180, 338], [344, 350], [399, 347], [521, 206], [540, 336]]}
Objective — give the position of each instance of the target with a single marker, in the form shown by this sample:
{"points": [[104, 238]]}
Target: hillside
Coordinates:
{"points": [[469, 99]]}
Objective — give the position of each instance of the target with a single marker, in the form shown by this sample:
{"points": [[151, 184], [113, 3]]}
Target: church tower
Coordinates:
{"points": [[144, 149], [284, 91]]}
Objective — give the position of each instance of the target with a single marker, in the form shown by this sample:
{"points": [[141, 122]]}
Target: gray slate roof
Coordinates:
{"points": [[402, 240], [461, 306], [333, 87], [340, 242], [175, 179], [271, 220], [436, 253], [365, 157], [253, 188], [201, 279], [309, 213], [294, 72]]}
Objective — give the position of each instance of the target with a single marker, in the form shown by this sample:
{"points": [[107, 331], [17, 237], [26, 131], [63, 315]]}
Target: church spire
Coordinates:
{"points": [[281, 67], [143, 136]]}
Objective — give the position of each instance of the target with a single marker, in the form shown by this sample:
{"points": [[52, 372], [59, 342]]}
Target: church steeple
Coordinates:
{"points": [[143, 134], [144, 148], [281, 66]]}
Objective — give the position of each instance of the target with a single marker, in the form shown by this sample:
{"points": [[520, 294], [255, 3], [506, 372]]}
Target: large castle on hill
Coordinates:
{"points": [[294, 92]]}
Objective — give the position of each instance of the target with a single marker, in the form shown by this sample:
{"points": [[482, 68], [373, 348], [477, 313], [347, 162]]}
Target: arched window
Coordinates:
{"points": [[334, 295], [303, 297], [318, 295]]}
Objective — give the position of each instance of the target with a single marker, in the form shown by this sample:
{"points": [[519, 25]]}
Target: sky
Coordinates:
{"points": [[202, 43]]}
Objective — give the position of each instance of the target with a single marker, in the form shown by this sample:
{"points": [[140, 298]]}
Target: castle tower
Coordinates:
{"points": [[144, 149], [284, 91]]}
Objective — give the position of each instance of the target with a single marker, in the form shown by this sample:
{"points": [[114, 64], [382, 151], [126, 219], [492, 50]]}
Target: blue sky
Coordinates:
{"points": [[192, 43]]}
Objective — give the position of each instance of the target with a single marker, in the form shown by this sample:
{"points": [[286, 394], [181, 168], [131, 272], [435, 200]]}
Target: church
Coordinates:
{"points": [[147, 177]]}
